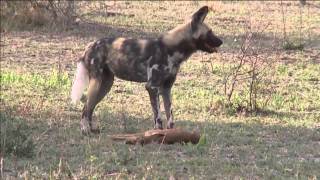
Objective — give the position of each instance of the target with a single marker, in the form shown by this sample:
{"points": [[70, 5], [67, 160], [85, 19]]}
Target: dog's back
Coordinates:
{"points": [[126, 58]]}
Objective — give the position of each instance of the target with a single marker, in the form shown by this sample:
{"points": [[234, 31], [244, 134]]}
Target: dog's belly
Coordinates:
{"points": [[129, 69]]}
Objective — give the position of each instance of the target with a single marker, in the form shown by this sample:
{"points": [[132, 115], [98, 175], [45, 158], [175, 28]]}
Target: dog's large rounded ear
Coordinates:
{"points": [[199, 16]]}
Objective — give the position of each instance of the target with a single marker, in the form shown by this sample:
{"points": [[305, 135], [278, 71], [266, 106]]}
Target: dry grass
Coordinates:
{"points": [[281, 142]]}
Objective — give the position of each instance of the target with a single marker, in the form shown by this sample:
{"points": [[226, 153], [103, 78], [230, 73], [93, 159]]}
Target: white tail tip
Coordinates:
{"points": [[80, 82]]}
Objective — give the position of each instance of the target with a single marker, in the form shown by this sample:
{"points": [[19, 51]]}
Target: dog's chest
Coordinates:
{"points": [[174, 62], [161, 69]]}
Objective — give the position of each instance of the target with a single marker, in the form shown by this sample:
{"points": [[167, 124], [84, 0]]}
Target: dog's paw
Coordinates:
{"points": [[158, 124], [170, 125], [94, 127], [95, 131], [85, 127]]}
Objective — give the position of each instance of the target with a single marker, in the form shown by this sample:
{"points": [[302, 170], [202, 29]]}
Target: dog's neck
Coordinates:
{"points": [[178, 41]]}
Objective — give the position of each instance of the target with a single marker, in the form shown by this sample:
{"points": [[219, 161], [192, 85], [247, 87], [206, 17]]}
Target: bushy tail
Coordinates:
{"points": [[80, 82]]}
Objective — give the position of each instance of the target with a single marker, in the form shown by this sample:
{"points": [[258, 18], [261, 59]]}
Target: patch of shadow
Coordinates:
{"points": [[121, 122], [266, 42], [98, 30], [87, 29], [272, 113], [107, 14], [263, 41]]}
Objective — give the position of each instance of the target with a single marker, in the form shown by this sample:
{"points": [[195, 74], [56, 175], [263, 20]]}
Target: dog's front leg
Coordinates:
{"points": [[166, 95], [155, 103]]}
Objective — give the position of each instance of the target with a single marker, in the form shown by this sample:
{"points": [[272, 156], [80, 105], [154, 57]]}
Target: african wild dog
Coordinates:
{"points": [[154, 61]]}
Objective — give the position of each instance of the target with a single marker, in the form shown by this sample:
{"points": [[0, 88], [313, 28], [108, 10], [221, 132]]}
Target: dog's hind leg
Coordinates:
{"points": [[99, 86]]}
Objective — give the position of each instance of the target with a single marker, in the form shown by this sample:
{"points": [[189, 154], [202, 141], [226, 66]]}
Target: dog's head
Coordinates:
{"points": [[193, 35], [202, 35]]}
